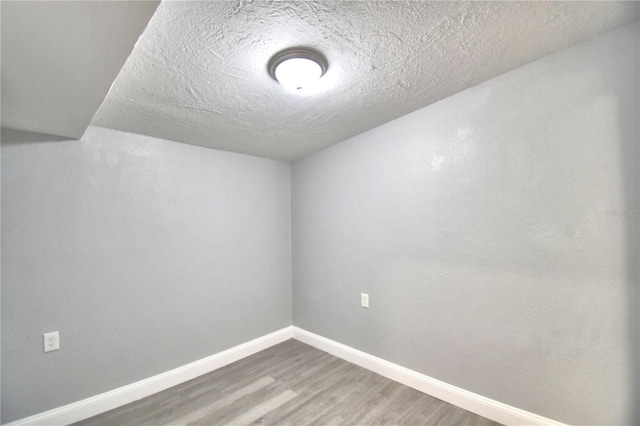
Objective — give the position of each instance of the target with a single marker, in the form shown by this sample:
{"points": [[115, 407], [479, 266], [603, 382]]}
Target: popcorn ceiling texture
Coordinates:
{"points": [[198, 73]]}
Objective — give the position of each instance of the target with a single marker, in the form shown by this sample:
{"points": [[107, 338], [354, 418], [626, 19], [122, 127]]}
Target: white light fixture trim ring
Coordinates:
{"points": [[300, 69]]}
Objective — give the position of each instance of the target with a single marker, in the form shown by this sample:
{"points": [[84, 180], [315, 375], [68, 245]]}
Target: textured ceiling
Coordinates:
{"points": [[198, 73], [60, 58]]}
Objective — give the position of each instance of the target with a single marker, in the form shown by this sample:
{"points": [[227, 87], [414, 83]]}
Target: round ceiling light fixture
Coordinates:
{"points": [[298, 69]]}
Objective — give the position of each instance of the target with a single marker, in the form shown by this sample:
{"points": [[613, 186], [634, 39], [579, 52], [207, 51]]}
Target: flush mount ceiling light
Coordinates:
{"points": [[298, 69]]}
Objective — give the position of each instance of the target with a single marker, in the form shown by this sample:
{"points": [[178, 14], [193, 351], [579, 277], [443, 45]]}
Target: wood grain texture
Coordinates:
{"points": [[289, 384]]}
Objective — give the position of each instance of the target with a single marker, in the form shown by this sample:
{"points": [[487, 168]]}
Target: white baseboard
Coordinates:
{"points": [[494, 410], [115, 398], [470, 401]]}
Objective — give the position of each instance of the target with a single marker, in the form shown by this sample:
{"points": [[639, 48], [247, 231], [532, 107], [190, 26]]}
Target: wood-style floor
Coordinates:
{"points": [[289, 384]]}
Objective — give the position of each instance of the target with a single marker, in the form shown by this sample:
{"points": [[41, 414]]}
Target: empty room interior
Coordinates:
{"points": [[320, 212]]}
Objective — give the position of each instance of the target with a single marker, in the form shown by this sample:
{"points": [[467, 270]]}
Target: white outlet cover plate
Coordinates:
{"points": [[51, 341], [364, 300]]}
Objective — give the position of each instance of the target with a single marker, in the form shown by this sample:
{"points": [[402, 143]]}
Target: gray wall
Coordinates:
{"points": [[488, 231], [145, 254]]}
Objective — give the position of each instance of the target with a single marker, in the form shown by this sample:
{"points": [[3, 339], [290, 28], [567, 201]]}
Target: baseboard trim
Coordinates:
{"points": [[470, 401], [101, 403], [494, 410]]}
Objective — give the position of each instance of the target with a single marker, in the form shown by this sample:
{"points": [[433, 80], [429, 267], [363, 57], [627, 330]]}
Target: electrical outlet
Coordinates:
{"points": [[364, 300], [51, 341]]}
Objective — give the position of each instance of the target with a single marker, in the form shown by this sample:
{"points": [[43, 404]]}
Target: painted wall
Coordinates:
{"points": [[491, 233], [145, 254]]}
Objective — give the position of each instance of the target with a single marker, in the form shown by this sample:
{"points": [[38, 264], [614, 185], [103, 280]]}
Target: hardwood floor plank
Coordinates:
{"points": [[263, 408], [395, 398], [316, 398], [208, 409]]}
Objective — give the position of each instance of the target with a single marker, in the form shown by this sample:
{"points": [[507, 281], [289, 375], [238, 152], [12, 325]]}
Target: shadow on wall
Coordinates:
{"points": [[16, 137], [628, 112]]}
